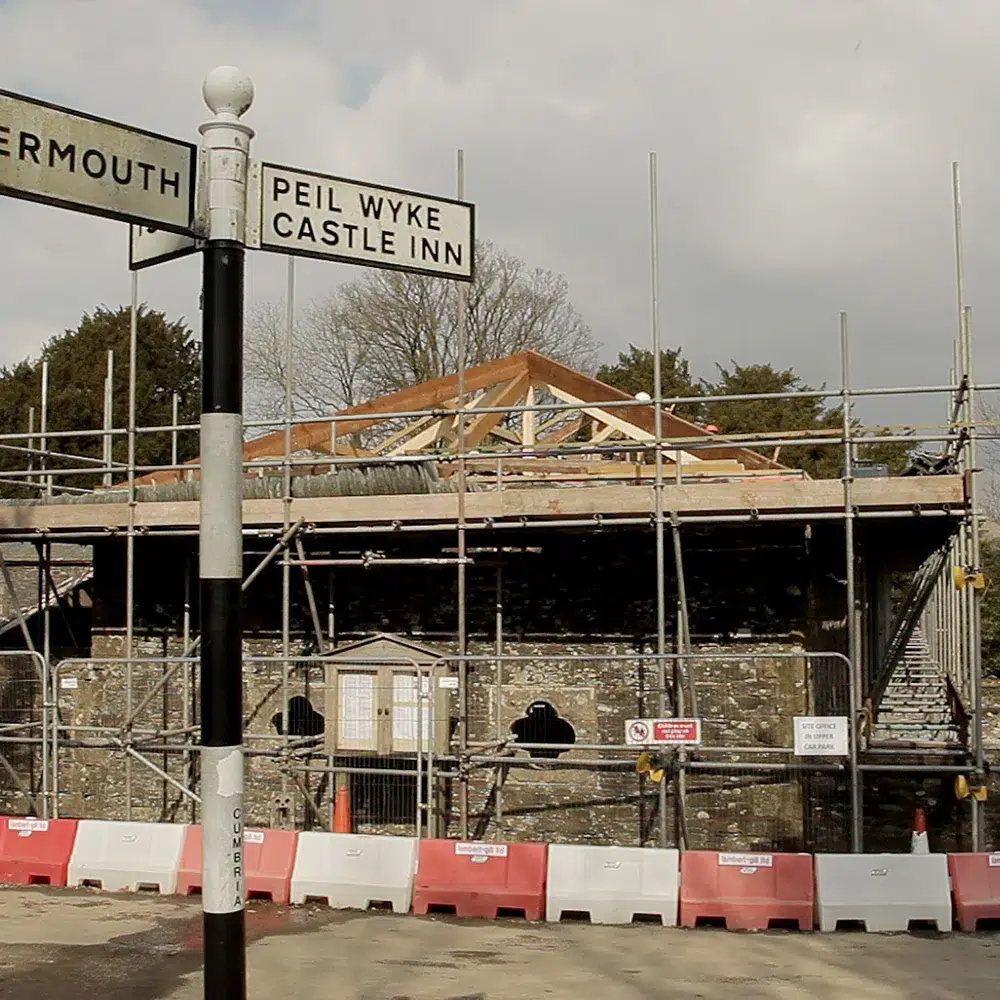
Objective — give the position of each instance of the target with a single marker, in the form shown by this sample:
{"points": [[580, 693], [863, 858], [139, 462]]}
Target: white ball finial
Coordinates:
{"points": [[643, 397], [228, 91]]}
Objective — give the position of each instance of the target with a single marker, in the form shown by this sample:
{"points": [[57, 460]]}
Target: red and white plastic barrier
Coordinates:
{"points": [[35, 851], [884, 892]]}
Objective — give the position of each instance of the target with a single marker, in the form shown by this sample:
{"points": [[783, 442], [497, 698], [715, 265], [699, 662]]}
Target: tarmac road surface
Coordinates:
{"points": [[58, 944]]}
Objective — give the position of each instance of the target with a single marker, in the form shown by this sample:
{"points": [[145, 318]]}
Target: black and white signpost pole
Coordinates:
{"points": [[226, 145]]}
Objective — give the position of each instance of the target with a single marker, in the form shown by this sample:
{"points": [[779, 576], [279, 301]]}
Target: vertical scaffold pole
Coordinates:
{"points": [[855, 679]]}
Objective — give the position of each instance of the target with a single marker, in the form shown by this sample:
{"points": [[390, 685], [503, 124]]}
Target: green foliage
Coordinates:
{"points": [[633, 373], [759, 416], [990, 607], [168, 361]]}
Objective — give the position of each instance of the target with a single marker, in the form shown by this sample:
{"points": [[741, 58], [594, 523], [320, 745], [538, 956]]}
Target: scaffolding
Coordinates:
{"points": [[566, 461]]}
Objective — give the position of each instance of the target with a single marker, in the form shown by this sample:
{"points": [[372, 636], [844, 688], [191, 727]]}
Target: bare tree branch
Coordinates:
{"points": [[390, 329], [989, 455]]}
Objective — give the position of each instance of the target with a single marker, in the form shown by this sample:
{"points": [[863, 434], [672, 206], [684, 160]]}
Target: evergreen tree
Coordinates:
{"points": [[633, 373], [168, 361]]}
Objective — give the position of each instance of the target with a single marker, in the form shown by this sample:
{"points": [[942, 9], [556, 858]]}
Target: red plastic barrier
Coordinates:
{"points": [[480, 880], [35, 851], [975, 888], [268, 855], [748, 891]]}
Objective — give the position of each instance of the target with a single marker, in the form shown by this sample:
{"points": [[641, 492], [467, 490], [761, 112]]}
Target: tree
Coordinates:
{"points": [[330, 360], [390, 329], [760, 416], [168, 361], [989, 455], [807, 414], [633, 373], [989, 608]]}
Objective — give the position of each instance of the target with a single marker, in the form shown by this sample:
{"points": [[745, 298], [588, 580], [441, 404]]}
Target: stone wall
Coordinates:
{"points": [[550, 798], [745, 703], [98, 783]]}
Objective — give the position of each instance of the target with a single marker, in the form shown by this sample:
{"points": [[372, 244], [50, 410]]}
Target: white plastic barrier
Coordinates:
{"points": [[612, 884], [126, 856], [884, 891], [354, 871]]}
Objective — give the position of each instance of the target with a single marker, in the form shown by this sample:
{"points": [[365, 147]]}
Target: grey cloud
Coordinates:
{"points": [[804, 154]]}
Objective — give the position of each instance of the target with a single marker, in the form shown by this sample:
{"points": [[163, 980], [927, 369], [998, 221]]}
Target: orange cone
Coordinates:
{"points": [[342, 810], [919, 843]]}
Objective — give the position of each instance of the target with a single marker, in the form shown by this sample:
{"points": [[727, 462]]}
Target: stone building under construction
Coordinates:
{"points": [[457, 595]]}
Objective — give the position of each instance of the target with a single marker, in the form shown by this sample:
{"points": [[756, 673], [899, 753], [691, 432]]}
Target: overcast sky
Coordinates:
{"points": [[805, 152]]}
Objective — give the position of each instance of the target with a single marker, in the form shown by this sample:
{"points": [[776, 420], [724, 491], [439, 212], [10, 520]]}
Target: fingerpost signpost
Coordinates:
{"points": [[217, 201]]}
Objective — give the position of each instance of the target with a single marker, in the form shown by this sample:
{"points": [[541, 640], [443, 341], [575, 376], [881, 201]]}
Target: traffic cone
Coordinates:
{"points": [[342, 809], [919, 844]]}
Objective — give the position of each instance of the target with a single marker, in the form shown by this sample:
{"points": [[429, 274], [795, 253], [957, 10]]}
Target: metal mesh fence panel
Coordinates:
{"points": [[21, 730], [376, 745]]}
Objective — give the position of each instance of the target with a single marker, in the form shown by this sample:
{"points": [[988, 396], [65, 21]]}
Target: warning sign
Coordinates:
{"points": [[673, 732]]}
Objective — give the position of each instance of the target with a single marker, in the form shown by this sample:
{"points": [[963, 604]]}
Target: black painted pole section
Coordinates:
{"points": [[221, 647], [225, 156]]}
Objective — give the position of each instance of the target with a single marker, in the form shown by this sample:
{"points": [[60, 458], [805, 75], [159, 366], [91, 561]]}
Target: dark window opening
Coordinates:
{"points": [[541, 723], [304, 719]]}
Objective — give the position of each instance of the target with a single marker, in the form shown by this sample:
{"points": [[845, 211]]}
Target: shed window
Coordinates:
{"points": [[356, 715]]}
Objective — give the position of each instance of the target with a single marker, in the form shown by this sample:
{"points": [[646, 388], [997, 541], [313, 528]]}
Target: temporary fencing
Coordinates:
{"points": [[480, 879], [24, 721], [376, 745], [354, 871], [268, 860], [126, 856], [35, 851], [975, 888]]}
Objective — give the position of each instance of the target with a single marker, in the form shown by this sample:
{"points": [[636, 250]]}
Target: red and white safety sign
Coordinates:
{"points": [[676, 732]]}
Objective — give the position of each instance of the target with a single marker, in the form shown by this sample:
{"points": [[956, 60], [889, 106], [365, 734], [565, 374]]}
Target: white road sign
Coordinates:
{"points": [[314, 215], [148, 246], [61, 157], [821, 736]]}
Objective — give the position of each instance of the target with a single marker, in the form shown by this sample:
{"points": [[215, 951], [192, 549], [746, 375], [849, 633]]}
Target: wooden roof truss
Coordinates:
{"points": [[422, 420]]}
